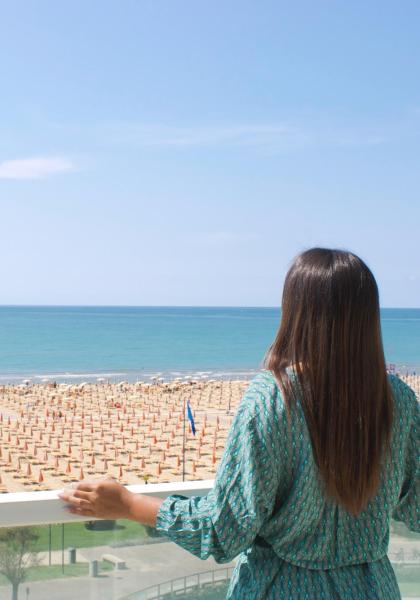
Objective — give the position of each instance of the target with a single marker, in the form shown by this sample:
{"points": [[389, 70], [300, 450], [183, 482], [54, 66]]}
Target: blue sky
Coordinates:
{"points": [[182, 152]]}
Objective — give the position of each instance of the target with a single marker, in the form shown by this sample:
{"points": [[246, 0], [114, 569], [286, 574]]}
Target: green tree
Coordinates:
{"points": [[17, 555]]}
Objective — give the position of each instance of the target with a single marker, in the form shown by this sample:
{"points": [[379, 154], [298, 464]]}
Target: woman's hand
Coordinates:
{"points": [[104, 499]]}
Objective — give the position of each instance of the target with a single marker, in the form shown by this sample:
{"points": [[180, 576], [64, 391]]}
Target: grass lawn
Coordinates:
{"points": [[76, 534], [55, 572]]}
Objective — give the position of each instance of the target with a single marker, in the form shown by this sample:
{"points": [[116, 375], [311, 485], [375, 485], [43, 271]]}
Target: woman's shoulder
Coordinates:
{"points": [[264, 391], [406, 404], [403, 393], [265, 383]]}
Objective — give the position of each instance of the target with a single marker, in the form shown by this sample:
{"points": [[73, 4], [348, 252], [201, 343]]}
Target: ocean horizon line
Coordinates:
{"points": [[212, 306]]}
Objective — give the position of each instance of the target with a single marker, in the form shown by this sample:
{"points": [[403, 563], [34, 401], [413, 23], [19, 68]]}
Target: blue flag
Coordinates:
{"points": [[190, 417]]}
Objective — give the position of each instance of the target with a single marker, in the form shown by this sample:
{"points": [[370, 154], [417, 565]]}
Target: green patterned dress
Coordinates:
{"points": [[267, 508]]}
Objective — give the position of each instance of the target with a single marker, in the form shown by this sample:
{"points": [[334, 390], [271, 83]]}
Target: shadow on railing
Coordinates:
{"points": [[186, 586]]}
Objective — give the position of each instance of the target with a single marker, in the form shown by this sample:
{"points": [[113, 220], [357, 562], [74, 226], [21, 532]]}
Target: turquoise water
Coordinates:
{"points": [[70, 343]]}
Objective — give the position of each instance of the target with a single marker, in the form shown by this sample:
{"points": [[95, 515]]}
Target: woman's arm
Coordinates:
{"points": [[227, 520]]}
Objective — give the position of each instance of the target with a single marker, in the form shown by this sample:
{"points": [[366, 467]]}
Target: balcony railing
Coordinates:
{"points": [[214, 581], [68, 558]]}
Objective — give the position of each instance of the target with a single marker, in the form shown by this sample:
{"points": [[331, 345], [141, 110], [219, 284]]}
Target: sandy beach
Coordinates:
{"points": [[52, 434]]}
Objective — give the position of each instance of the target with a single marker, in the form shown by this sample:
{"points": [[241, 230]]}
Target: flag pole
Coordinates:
{"points": [[183, 445]]}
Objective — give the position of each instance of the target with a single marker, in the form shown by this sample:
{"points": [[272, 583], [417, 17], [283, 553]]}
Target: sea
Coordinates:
{"points": [[78, 343]]}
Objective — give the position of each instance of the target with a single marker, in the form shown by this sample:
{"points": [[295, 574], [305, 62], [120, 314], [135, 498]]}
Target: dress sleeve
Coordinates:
{"points": [[226, 521], [408, 507]]}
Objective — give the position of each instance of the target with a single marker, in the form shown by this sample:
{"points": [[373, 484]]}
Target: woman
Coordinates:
{"points": [[323, 451]]}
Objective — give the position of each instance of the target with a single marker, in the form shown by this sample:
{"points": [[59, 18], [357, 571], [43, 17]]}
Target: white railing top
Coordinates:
{"points": [[43, 508]]}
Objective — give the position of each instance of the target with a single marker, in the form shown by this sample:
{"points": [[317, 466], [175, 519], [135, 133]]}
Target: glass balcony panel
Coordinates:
{"points": [[106, 560], [123, 560]]}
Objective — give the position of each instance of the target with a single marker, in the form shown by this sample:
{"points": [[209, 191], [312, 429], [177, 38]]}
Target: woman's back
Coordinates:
{"points": [[306, 528]]}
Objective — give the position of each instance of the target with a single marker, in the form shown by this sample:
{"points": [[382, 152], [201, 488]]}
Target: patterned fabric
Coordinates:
{"points": [[267, 506]]}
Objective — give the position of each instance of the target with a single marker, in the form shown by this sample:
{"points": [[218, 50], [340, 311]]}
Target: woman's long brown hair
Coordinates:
{"points": [[330, 334]]}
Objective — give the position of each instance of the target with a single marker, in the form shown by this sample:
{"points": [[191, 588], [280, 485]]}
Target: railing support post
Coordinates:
{"points": [[49, 545], [62, 547]]}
